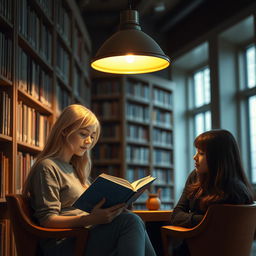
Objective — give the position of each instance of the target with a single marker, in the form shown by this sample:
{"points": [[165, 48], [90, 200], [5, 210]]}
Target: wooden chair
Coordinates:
{"points": [[27, 234], [226, 230]]}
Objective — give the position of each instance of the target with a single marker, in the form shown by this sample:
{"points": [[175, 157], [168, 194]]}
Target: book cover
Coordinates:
{"points": [[114, 190]]}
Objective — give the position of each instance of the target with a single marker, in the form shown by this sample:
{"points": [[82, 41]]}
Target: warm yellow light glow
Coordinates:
{"points": [[129, 58], [139, 64]]}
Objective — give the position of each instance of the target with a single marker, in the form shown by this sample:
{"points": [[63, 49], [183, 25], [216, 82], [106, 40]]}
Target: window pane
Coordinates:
{"points": [[208, 121], [198, 80], [251, 66], [199, 124], [202, 87], [252, 118], [202, 122], [207, 89]]}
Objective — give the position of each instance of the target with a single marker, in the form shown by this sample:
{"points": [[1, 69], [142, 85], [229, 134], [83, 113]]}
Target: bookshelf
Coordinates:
{"points": [[45, 50], [136, 115]]}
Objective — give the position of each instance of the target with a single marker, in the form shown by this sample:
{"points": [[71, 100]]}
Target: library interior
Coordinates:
{"points": [[204, 79]]}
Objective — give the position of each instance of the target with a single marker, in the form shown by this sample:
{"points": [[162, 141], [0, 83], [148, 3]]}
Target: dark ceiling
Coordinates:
{"points": [[172, 23], [105, 13], [156, 16]]}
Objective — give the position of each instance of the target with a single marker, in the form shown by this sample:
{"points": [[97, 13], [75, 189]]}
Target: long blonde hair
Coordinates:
{"points": [[71, 119]]}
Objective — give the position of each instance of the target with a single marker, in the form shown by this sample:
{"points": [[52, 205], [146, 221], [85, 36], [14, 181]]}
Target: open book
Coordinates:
{"points": [[115, 190]]}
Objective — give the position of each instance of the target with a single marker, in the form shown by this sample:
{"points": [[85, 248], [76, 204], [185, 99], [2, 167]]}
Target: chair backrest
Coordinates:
{"points": [[228, 230], [21, 218]]}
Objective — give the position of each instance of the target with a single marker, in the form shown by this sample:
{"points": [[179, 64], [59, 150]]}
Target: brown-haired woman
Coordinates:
{"points": [[218, 178]]}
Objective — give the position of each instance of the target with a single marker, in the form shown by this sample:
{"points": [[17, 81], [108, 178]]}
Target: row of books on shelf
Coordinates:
{"points": [[162, 157], [109, 86], [6, 59], [5, 113], [62, 62], [135, 173], [137, 112], [134, 88], [134, 112], [63, 98], [106, 109], [34, 30], [137, 132], [63, 21], [164, 176], [166, 204], [142, 199], [138, 89], [32, 126], [79, 46], [110, 130], [162, 137], [79, 84], [106, 151], [162, 97], [113, 170], [24, 163], [137, 154], [4, 175], [166, 193], [162, 118], [6, 7], [33, 79]]}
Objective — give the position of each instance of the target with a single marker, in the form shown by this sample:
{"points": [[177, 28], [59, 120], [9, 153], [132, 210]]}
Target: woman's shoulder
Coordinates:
{"points": [[47, 164], [241, 194]]}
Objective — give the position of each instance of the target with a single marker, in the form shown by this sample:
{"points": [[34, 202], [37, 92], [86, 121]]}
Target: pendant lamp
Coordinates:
{"points": [[129, 50]]}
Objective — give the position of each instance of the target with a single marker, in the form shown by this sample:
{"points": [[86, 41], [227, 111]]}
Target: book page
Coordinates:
{"points": [[142, 182], [120, 181]]}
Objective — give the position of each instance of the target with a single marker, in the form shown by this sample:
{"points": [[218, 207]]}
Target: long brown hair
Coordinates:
{"points": [[71, 119], [225, 179]]}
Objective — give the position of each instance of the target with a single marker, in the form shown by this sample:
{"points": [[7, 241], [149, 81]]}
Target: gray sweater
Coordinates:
{"points": [[54, 187]]}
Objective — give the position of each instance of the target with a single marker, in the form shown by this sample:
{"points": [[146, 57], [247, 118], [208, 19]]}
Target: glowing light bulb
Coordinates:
{"points": [[129, 58]]}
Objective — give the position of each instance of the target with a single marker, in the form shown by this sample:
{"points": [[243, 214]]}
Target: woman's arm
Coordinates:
{"points": [[97, 216], [182, 214]]}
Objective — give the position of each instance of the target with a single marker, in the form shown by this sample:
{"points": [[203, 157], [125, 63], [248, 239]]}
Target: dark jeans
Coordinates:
{"points": [[124, 236]]}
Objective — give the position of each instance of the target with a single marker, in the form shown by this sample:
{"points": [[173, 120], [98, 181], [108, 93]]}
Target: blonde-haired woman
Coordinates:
{"points": [[61, 174]]}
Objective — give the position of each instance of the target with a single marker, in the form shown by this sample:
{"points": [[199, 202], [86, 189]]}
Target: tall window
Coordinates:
{"points": [[250, 60], [202, 98]]}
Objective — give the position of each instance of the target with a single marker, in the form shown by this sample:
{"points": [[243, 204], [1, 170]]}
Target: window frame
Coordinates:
{"points": [[243, 95], [192, 110]]}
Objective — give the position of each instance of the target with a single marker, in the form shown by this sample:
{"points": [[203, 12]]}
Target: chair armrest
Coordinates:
{"points": [[57, 232], [181, 232]]}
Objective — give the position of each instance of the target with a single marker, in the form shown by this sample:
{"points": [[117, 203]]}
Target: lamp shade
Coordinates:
{"points": [[130, 51]]}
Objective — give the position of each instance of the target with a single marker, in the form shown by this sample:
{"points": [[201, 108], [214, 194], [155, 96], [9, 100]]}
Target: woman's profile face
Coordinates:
{"points": [[200, 161], [82, 139]]}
